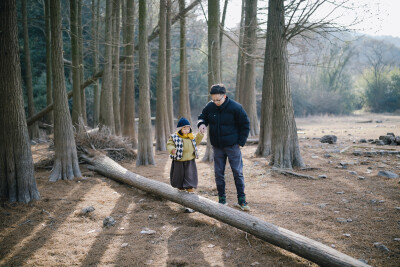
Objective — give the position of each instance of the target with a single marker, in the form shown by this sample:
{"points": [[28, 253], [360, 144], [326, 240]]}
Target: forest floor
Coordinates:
{"points": [[350, 210]]}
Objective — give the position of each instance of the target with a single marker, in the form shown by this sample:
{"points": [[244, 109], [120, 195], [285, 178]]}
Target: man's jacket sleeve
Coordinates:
{"points": [[202, 119], [244, 126]]}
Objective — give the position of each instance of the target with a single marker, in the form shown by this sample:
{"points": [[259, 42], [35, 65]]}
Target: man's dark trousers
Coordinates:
{"points": [[234, 156]]}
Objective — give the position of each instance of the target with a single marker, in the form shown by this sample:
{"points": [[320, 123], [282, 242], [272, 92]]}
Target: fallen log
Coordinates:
{"points": [[283, 238]]}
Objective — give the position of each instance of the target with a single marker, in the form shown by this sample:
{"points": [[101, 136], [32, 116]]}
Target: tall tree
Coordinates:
{"points": [[95, 51], [184, 102], [17, 180], [240, 62], [170, 101], [129, 129], [162, 121], [214, 53], [123, 66], [116, 41], [76, 75], [285, 144], [221, 32], [49, 86], [249, 45], [66, 164], [34, 128], [145, 154], [106, 99], [81, 66]]}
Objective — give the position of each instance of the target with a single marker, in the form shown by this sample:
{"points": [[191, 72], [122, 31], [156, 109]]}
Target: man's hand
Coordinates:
{"points": [[173, 151], [202, 128]]}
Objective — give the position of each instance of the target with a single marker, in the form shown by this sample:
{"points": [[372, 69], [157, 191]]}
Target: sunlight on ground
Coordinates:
{"points": [[214, 254]]}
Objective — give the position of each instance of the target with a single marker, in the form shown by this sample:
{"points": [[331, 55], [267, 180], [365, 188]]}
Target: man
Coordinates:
{"points": [[229, 129]]}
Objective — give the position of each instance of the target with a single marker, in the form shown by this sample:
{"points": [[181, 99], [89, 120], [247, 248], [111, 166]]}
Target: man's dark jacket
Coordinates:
{"points": [[229, 124]]}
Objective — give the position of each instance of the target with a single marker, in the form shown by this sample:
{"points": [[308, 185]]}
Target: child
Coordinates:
{"points": [[182, 147]]}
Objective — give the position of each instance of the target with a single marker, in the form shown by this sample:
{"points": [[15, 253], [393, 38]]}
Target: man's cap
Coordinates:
{"points": [[217, 89]]}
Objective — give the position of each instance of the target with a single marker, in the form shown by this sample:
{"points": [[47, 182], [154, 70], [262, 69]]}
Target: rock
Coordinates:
{"points": [[330, 139], [380, 143], [109, 221], [363, 140], [381, 247], [388, 174], [392, 134], [378, 121], [147, 231], [322, 205], [361, 178], [341, 220], [327, 155], [340, 193], [397, 140], [352, 172], [124, 245], [347, 235], [322, 176], [189, 210], [87, 210], [357, 152]]}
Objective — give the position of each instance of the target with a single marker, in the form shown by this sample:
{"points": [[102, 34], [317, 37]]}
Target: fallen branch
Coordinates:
{"points": [[288, 240], [287, 172]]}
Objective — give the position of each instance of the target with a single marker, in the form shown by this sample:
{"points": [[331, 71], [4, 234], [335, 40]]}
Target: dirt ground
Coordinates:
{"points": [[348, 211]]}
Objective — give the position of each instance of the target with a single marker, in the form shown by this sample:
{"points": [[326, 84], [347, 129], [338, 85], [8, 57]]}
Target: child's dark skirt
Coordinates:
{"points": [[184, 174]]}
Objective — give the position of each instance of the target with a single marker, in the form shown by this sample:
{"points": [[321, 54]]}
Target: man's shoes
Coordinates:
{"points": [[222, 200], [190, 190], [243, 204]]}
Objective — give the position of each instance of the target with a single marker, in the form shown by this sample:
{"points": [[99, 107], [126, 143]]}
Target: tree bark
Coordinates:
{"points": [[162, 126], [145, 154], [81, 66], [76, 76], [34, 128], [239, 67], [49, 86], [214, 53], [95, 49], [115, 68], [17, 180], [249, 86], [129, 129], [221, 32], [285, 144], [106, 118], [123, 67], [264, 144], [66, 161], [281, 237], [170, 101], [184, 102]]}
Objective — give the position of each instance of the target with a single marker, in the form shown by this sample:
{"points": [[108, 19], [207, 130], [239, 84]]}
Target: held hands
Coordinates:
{"points": [[202, 129], [173, 151]]}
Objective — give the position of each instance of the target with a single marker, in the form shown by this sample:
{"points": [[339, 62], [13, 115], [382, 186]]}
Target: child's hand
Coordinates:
{"points": [[173, 151]]}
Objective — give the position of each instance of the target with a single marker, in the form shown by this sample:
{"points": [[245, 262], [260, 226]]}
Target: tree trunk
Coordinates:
{"points": [[184, 102], [81, 65], [17, 180], [170, 100], [123, 67], [145, 154], [285, 144], [106, 118], [99, 74], [281, 237], [76, 104], [34, 128], [250, 46], [264, 144], [240, 55], [129, 129], [162, 126], [221, 33], [214, 53], [95, 49], [66, 161], [116, 40], [49, 86]]}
